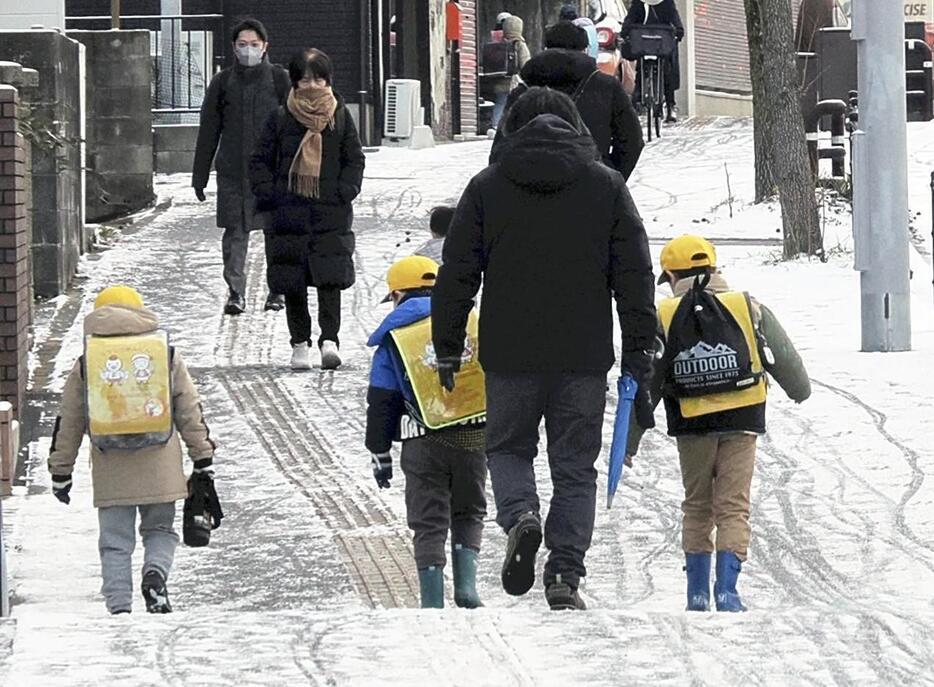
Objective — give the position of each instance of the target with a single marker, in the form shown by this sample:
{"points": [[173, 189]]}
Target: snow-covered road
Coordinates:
{"points": [[309, 581]]}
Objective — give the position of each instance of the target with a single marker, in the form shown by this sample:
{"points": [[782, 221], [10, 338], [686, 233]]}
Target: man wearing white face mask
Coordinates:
{"points": [[238, 101]]}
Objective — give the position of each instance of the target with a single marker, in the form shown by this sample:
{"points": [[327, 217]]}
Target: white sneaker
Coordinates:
{"points": [[330, 358], [300, 359]]}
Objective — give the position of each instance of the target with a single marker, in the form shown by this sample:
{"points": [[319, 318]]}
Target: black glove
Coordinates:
{"points": [[382, 469], [61, 486], [679, 32], [638, 363], [447, 368], [199, 194]]}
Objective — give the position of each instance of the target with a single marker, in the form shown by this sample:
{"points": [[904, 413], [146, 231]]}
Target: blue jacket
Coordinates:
{"points": [[390, 395]]}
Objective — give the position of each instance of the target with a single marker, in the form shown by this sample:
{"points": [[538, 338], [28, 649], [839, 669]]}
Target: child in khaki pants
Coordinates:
{"points": [[719, 344]]}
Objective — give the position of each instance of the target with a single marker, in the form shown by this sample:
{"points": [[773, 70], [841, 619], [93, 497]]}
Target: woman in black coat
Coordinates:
{"points": [[306, 170]]}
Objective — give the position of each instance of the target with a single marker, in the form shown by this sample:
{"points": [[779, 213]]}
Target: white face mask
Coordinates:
{"points": [[249, 56]]}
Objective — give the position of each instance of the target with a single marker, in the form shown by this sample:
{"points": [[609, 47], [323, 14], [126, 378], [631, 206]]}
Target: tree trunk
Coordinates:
{"points": [[784, 123], [762, 144]]}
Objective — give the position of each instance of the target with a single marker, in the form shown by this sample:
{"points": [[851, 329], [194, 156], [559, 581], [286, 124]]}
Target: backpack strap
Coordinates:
{"points": [[582, 86]]}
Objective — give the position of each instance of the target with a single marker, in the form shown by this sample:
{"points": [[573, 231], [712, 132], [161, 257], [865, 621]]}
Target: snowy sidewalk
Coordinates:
{"points": [[309, 579]]}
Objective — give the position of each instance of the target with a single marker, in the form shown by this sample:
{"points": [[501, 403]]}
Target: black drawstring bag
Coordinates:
{"points": [[707, 351], [202, 512]]}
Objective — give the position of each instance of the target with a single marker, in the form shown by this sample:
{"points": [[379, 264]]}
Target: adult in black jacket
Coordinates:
{"points": [[659, 12], [554, 236], [238, 101], [603, 104], [310, 242]]}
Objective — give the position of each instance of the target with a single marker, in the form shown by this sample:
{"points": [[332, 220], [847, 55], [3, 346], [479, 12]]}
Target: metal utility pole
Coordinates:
{"points": [[880, 177], [115, 14]]}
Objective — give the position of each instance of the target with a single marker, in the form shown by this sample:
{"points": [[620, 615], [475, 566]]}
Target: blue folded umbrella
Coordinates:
{"points": [[626, 389]]}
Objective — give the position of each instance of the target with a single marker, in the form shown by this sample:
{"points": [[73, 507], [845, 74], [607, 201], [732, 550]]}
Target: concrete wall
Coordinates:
{"points": [[174, 148], [21, 14], [715, 104], [54, 116], [119, 122]]}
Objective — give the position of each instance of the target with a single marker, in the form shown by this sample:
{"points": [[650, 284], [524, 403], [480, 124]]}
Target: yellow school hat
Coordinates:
{"points": [[686, 252], [413, 272], [126, 296]]}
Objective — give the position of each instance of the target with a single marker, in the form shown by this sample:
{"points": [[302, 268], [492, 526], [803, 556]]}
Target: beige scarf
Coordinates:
{"points": [[314, 108]]}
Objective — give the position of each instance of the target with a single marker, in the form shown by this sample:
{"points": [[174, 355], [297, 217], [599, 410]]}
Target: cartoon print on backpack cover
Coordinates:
{"points": [[129, 397]]}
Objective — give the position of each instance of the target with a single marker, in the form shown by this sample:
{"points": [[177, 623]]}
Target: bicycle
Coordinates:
{"points": [[650, 44]]}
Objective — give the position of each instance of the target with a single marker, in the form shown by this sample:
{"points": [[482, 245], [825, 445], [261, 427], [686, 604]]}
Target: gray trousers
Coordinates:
{"points": [[572, 405], [445, 489], [235, 246], [118, 540]]}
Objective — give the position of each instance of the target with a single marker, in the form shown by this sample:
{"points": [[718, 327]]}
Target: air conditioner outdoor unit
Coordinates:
{"points": [[403, 106]]}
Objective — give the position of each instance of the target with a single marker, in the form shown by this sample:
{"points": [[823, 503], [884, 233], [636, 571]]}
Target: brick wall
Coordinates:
{"points": [[468, 54], [14, 272]]}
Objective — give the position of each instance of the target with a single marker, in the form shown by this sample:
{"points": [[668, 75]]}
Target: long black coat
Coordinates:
{"points": [[603, 104], [554, 236], [663, 13], [238, 101], [310, 241]]}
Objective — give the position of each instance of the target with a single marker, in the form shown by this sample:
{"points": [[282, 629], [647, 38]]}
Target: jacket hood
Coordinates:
{"points": [[117, 320], [558, 68], [512, 28], [546, 155], [717, 285], [412, 310]]}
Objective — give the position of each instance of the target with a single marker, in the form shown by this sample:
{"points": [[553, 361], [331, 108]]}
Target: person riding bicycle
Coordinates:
{"points": [[658, 12]]}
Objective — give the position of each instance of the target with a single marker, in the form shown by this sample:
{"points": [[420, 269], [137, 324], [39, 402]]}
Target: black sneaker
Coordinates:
{"points": [[519, 567], [563, 597], [274, 302], [155, 593], [672, 114], [236, 305]]}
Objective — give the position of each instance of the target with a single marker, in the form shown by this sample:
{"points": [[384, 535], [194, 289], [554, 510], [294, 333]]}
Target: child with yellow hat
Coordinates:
{"points": [[132, 394], [718, 346], [441, 433]]}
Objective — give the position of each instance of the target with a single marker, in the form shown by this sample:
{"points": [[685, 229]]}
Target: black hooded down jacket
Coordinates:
{"points": [[310, 242], [603, 104], [554, 236]]}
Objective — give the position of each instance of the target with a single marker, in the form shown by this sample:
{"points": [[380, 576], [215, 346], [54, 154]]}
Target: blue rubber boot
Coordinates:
{"points": [[431, 586], [725, 595], [464, 562], [697, 567]]}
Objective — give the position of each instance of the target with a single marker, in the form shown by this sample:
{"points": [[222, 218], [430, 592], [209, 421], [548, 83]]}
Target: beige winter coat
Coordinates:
{"points": [[144, 476]]}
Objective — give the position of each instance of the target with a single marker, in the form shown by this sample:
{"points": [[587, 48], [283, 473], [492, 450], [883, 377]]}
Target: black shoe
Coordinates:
{"points": [[236, 305], [274, 302], [672, 114], [563, 597], [121, 611], [155, 593], [519, 567]]}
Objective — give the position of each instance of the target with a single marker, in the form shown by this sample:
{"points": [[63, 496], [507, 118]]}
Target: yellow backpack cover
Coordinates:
{"points": [[129, 390], [437, 407]]}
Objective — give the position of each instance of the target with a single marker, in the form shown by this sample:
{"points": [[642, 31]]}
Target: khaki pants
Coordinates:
{"points": [[716, 470]]}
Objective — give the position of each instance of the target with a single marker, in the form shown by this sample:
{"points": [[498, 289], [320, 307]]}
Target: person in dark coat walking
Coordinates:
{"points": [[306, 170], [601, 100], [550, 275], [659, 12], [235, 106]]}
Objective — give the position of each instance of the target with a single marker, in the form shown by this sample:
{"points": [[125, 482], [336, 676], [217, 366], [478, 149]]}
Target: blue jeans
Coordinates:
{"points": [[499, 107]]}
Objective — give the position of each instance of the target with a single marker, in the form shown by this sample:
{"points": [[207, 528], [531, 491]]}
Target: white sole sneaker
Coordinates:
{"points": [[330, 358], [300, 357]]}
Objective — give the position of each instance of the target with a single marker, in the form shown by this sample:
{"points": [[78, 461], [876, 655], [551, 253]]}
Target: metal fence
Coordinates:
{"points": [[185, 49]]}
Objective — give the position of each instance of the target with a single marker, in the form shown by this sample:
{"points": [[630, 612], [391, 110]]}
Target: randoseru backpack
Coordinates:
{"points": [[706, 349], [501, 58]]}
